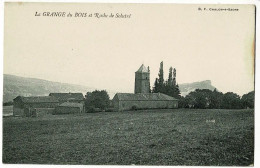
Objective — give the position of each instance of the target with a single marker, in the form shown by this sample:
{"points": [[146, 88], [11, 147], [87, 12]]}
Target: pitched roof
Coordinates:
{"points": [[144, 97], [38, 99], [142, 69], [70, 104], [67, 96]]}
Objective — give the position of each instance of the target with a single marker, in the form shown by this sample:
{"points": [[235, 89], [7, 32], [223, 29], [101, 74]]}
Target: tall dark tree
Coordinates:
{"points": [[161, 78], [159, 85], [170, 78], [174, 76]]}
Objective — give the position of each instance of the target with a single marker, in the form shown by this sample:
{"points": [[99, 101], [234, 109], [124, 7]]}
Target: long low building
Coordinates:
{"points": [[131, 101], [24, 106], [36, 106]]}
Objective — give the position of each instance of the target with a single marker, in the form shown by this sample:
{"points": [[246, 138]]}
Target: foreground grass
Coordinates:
{"points": [[156, 137]]}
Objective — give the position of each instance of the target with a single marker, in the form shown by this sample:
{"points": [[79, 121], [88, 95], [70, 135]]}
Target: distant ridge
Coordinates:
{"points": [[186, 88], [23, 86]]}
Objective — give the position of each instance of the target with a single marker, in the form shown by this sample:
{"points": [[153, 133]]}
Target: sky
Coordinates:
{"points": [[104, 53]]}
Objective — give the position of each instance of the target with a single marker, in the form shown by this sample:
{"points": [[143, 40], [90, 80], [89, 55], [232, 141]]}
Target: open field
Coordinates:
{"points": [[152, 137]]}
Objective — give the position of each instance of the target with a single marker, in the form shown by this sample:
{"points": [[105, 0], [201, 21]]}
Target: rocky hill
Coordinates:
{"points": [[186, 88]]}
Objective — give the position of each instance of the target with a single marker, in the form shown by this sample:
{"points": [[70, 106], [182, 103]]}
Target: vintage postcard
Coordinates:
{"points": [[128, 84]]}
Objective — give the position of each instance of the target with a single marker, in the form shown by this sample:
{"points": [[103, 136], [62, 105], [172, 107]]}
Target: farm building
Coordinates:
{"points": [[142, 99], [129, 101], [27, 106], [69, 108], [68, 97]]}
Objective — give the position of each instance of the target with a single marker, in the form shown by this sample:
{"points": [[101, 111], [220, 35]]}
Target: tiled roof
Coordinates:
{"points": [[38, 99], [142, 69], [67, 96], [144, 97], [70, 104]]}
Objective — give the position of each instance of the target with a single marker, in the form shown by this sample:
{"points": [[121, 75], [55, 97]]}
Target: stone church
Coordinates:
{"points": [[142, 98]]}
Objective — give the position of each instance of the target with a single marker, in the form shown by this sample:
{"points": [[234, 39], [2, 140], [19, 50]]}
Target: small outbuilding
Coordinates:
{"points": [[130, 101], [69, 108]]}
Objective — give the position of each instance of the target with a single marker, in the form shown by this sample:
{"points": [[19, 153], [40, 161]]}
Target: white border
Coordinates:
{"points": [[257, 64]]}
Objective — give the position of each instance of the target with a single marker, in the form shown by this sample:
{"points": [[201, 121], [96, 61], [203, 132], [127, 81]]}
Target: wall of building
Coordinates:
{"points": [[42, 105], [44, 111], [18, 111], [128, 105], [37, 112], [67, 110]]}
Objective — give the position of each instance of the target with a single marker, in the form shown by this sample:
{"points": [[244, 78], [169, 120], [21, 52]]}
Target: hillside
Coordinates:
{"points": [[15, 85], [186, 88]]}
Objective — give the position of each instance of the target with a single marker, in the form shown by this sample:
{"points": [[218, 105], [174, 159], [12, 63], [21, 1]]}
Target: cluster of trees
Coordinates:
{"points": [[205, 98], [97, 101], [168, 87]]}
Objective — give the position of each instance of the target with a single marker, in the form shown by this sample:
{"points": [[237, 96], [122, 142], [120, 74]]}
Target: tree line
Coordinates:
{"points": [[205, 98]]}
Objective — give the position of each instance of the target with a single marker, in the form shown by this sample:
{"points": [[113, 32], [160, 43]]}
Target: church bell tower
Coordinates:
{"points": [[142, 80]]}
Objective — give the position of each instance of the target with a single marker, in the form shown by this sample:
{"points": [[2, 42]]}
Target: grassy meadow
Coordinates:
{"points": [[148, 137]]}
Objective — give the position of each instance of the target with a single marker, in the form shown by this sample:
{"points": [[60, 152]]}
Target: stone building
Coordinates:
{"points": [[69, 108], [36, 106], [142, 98], [28, 106], [70, 100], [131, 101]]}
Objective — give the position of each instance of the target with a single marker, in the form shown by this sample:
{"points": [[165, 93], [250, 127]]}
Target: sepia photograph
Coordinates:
{"points": [[128, 84]]}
